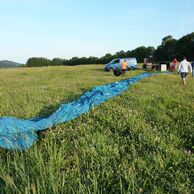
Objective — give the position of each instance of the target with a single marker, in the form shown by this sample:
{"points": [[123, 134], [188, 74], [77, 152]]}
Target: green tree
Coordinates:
{"points": [[38, 62], [140, 53], [167, 39], [185, 46], [167, 50], [128, 53], [150, 51], [57, 61], [120, 54], [106, 59]]}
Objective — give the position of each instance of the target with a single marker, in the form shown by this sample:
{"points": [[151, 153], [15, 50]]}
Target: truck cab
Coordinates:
{"points": [[116, 63]]}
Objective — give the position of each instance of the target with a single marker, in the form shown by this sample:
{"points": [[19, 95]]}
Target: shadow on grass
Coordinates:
{"points": [[46, 111], [50, 109]]}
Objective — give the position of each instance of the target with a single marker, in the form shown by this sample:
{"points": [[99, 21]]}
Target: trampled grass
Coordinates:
{"points": [[139, 142]]}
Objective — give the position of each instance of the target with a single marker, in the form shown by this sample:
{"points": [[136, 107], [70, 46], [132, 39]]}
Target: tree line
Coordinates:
{"points": [[169, 49]]}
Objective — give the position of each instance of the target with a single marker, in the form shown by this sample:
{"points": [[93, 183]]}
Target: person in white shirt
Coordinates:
{"points": [[183, 69]]}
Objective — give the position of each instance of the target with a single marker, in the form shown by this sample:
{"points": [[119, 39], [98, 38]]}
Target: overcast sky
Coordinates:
{"points": [[67, 28]]}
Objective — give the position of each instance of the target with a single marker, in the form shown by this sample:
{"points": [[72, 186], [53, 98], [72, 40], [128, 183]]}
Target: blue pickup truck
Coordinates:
{"points": [[116, 63]]}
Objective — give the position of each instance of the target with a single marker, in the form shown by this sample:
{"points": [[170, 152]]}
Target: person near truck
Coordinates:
{"points": [[192, 65], [183, 69], [174, 63], [123, 67]]}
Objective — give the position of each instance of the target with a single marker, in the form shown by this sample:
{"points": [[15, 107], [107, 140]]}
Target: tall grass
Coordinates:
{"points": [[139, 142]]}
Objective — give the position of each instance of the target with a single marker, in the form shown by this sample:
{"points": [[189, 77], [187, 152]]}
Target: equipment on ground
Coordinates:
{"points": [[117, 72]]}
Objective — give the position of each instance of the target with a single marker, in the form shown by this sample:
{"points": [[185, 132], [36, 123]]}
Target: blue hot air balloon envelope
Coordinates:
{"points": [[21, 134]]}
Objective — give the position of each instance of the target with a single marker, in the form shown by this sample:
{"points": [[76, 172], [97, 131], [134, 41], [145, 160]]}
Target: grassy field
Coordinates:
{"points": [[139, 142]]}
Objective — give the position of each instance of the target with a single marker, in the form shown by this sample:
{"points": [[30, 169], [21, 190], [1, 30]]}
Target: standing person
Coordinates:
{"points": [[123, 67], [174, 63], [184, 69], [192, 68]]}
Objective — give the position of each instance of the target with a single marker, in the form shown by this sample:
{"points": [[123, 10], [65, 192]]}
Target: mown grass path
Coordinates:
{"points": [[141, 141]]}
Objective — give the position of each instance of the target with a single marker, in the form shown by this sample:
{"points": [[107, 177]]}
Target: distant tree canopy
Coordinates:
{"points": [[170, 48], [185, 46], [38, 62], [167, 50]]}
